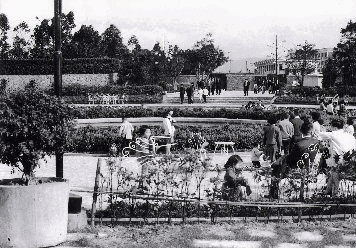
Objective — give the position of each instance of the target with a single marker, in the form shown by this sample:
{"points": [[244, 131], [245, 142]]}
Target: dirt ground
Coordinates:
{"points": [[310, 233]]}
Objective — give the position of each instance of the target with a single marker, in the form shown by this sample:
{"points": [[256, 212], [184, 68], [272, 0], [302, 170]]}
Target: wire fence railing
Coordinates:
{"points": [[187, 187]]}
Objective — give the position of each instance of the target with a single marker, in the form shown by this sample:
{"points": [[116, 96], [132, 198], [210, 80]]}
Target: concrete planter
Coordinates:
{"points": [[35, 215]]}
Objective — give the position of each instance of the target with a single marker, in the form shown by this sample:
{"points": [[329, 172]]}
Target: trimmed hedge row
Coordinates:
{"points": [[296, 100], [84, 90], [314, 91], [134, 99], [70, 66], [99, 140], [92, 112]]}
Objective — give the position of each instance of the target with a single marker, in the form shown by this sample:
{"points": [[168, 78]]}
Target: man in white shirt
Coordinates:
{"points": [[340, 143]]}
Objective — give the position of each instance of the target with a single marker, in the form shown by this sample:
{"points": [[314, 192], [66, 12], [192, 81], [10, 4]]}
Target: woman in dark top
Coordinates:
{"points": [[233, 181]]}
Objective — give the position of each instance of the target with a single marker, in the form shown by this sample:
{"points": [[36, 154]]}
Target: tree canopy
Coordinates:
{"points": [[302, 61], [138, 66]]}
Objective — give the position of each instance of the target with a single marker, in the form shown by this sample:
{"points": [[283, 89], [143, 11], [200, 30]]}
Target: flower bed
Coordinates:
{"points": [[99, 140]]}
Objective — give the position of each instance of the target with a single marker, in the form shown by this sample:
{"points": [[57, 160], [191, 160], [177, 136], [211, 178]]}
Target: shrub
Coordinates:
{"points": [[70, 66], [90, 112], [99, 140], [84, 90], [32, 125]]}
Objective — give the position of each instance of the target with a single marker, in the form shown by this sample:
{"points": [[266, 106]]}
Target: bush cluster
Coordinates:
{"points": [[341, 90], [99, 140], [84, 90], [293, 99], [70, 66], [91, 112]]}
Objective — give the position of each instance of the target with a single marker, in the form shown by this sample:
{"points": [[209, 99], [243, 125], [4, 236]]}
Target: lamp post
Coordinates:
{"points": [[58, 71]]}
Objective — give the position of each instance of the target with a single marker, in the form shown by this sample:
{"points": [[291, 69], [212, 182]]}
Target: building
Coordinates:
{"points": [[321, 57], [266, 70]]}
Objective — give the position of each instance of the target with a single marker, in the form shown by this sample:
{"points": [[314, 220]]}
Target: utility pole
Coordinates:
{"points": [[58, 71]]}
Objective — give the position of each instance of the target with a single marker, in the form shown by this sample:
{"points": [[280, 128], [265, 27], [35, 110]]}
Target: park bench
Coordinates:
{"points": [[224, 146], [136, 145]]}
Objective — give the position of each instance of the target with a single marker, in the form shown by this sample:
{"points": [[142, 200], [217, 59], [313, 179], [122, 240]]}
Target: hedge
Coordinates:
{"points": [[84, 90], [70, 66], [92, 112], [98, 140]]}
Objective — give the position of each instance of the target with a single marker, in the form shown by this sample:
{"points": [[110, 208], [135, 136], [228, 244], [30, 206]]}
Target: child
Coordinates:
{"points": [[231, 189], [255, 156]]}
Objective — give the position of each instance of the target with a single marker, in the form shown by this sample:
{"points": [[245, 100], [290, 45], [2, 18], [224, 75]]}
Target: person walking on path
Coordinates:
{"points": [[272, 139], [205, 93], [181, 93], [125, 131], [287, 131], [246, 87]]}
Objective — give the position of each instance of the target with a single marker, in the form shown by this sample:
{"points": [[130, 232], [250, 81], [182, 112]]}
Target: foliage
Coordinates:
{"points": [[84, 90], [70, 66], [330, 73], [91, 112], [204, 58], [98, 140], [296, 100], [4, 28], [302, 61], [345, 54], [20, 47], [32, 126]]}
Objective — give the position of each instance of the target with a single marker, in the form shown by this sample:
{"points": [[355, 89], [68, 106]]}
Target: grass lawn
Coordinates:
{"points": [[271, 234]]}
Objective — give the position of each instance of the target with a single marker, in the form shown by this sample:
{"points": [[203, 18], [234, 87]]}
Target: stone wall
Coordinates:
{"points": [[235, 81], [45, 81]]}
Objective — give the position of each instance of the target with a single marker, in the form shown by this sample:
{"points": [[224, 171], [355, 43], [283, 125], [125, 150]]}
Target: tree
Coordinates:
{"points": [[345, 54], [86, 42], [204, 58], [43, 37], [43, 40], [302, 61], [20, 46], [330, 73], [111, 43], [133, 44], [4, 28], [175, 62]]}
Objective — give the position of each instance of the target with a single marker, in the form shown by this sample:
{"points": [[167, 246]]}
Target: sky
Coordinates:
{"points": [[242, 29]]}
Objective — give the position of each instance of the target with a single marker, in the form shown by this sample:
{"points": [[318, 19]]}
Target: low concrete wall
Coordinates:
{"points": [[16, 82]]}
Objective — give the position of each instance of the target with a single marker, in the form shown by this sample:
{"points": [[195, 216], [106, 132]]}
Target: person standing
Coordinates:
{"points": [[246, 87], [169, 130], [205, 93], [297, 124], [213, 85], [189, 91], [272, 138], [200, 94], [181, 93], [341, 142], [125, 131], [287, 131]]}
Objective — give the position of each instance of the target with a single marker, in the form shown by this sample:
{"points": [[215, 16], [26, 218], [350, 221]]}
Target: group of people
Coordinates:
{"points": [[286, 140], [144, 143], [202, 92]]}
